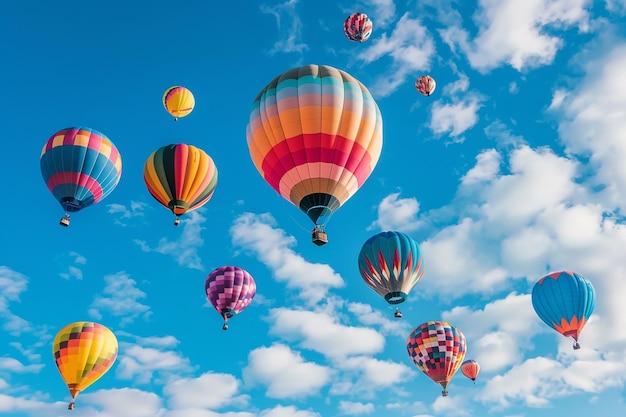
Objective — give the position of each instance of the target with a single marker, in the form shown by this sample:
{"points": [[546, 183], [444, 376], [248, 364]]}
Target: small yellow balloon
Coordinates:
{"points": [[83, 352], [178, 101]]}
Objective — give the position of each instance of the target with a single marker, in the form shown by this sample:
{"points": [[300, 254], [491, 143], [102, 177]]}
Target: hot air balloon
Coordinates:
{"points": [[357, 27], [315, 136], [437, 348], [230, 290], [391, 264], [178, 101], [470, 369], [83, 352], [180, 177], [425, 85], [80, 166], [564, 301]]}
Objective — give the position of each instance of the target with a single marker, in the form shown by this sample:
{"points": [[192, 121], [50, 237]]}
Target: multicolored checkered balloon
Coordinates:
{"points": [[437, 348], [230, 290], [83, 352]]}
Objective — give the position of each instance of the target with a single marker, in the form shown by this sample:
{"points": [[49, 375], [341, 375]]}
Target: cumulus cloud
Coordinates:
{"points": [[397, 214], [456, 117], [71, 262], [284, 372], [120, 297], [258, 233], [209, 390], [321, 332], [410, 47], [144, 364], [516, 33]]}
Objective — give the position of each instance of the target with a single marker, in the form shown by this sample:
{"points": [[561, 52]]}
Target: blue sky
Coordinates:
{"points": [[513, 168]]}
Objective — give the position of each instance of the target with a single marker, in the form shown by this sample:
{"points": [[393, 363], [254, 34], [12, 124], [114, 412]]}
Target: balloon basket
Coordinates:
{"points": [[319, 238]]}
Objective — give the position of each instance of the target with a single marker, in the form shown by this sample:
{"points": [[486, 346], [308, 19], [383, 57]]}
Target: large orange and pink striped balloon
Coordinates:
{"points": [[315, 135]]}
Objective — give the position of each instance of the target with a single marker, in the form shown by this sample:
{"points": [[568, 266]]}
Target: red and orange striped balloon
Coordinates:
{"points": [[315, 135]]}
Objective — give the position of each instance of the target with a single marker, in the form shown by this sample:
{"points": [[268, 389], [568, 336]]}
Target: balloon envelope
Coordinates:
{"points": [[425, 85], [391, 264], [178, 101], [315, 136], [470, 369], [83, 352], [357, 27], [564, 301], [180, 177], [437, 348], [230, 290], [80, 166]]}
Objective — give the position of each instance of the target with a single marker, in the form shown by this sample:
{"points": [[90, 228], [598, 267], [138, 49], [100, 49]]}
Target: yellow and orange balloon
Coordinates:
{"points": [[178, 101], [83, 352]]}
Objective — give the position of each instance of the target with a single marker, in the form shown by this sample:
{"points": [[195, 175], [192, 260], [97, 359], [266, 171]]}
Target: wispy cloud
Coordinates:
{"points": [[123, 213], [71, 263], [12, 284], [120, 298], [352, 408], [289, 27], [257, 233], [14, 366], [184, 249]]}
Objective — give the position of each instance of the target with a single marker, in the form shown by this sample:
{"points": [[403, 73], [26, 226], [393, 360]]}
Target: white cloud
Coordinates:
{"points": [[127, 402], [616, 6], [140, 363], [486, 168], [370, 317], [13, 365], [120, 297], [594, 122], [284, 372], [410, 47], [352, 408], [73, 271], [456, 117], [321, 332], [289, 27], [498, 333], [273, 247], [289, 411], [516, 33], [12, 284], [209, 390], [185, 249], [397, 214], [135, 209]]}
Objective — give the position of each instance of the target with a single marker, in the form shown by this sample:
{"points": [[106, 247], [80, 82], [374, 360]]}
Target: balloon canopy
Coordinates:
{"points": [[178, 101], [83, 352], [180, 177], [391, 264], [315, 136], [80, 166], [357, 27], [230, 290], [425, 85], [437, 348], [564, 301]]}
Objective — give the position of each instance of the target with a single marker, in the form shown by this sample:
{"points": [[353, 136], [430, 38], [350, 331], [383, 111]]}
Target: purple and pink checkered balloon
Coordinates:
{"points": [[230, 290]]}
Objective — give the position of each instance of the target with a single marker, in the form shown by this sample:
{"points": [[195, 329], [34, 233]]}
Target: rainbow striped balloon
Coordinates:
{"points": [[181, 177], [315, 135], [80, 166]]}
